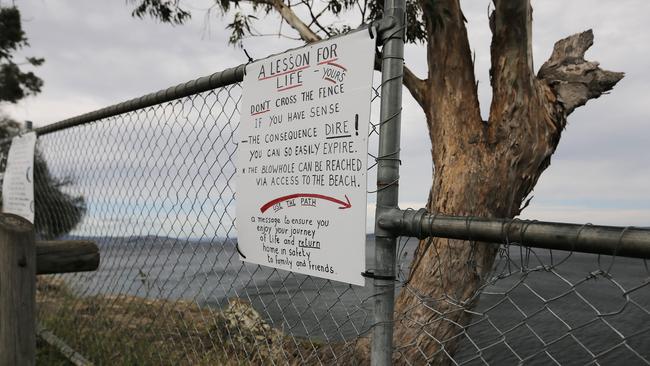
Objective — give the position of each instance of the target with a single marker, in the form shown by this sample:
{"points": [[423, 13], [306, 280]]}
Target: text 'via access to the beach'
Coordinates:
{"points": [[302, 159]]}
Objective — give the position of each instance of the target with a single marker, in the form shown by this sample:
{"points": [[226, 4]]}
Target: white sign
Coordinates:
{"points": [[18, 182], [302, 159]]}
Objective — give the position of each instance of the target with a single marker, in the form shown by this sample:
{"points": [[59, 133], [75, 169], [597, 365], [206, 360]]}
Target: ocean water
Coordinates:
{"points": [[568, 313]]}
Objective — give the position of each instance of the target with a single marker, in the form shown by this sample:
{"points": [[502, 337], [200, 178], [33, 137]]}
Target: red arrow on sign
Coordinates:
{"points": [[270, 204]]}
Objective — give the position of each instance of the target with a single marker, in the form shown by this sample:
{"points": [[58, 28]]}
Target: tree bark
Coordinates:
{"points": [[483, 168]]}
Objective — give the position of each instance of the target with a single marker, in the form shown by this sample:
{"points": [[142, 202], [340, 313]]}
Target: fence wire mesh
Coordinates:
{"points": [[535, 307], [155, 189]]}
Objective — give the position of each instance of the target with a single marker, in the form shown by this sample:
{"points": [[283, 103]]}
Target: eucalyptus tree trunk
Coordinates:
{"points": [[483, 168]]}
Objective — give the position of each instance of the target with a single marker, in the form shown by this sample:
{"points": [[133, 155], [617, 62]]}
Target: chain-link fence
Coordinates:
{"points": [[155, 189], [157, 186], [537, 307]]}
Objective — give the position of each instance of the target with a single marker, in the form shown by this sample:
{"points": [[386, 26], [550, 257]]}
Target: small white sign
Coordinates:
{"points": [[302, 159], [18, 182]]}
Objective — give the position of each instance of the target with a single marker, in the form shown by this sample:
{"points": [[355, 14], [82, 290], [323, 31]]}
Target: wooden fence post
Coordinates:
{"points": [[17, 291]]}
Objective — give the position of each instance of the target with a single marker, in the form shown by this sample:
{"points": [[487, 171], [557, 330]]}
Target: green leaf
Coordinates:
{"points": [[166, 11]]}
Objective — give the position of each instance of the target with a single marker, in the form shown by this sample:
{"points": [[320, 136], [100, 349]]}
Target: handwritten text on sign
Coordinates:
{"points": [[18, 181], [302, 159]]}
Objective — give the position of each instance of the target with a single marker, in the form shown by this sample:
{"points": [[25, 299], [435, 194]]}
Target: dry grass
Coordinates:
{"points": [[128, 330], [49, 356]]}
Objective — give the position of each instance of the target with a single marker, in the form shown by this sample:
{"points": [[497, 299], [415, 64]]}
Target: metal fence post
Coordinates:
{"points": [[387, 182]]}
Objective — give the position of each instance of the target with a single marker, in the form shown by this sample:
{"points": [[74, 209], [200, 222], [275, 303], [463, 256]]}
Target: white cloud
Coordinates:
{"points": [[97, 55]]}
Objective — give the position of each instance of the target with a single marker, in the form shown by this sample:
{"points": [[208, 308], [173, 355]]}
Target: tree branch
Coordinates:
{"points": [[416, 86], [314, 18], [573, 79], [452, 106], [306, 34], [511, 74], [511, 25]]}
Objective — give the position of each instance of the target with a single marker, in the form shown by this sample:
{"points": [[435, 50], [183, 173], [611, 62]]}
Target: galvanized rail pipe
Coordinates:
{"points": [[200, 85], [383, 273], [587, 238], [206, 83]]}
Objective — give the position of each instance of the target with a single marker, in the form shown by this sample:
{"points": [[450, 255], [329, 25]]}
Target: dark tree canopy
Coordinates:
{"points": [[57, 212], [165, 10], [15, 84]]}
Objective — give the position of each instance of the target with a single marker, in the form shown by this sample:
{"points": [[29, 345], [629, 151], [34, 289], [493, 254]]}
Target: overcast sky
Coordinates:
{"points": [[97, 54]]}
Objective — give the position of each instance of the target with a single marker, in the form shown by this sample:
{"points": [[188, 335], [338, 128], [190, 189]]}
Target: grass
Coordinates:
{"points": [[49, 356], [128, 330]]}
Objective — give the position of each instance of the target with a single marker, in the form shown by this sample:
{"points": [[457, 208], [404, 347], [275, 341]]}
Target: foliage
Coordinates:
{"points": [[14, 83], [47, 355], [242, 24], [57, 212], [167, 11]]}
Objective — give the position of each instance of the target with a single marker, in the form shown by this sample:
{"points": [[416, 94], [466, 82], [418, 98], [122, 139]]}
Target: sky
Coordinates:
{"points": [[97, 55]]}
